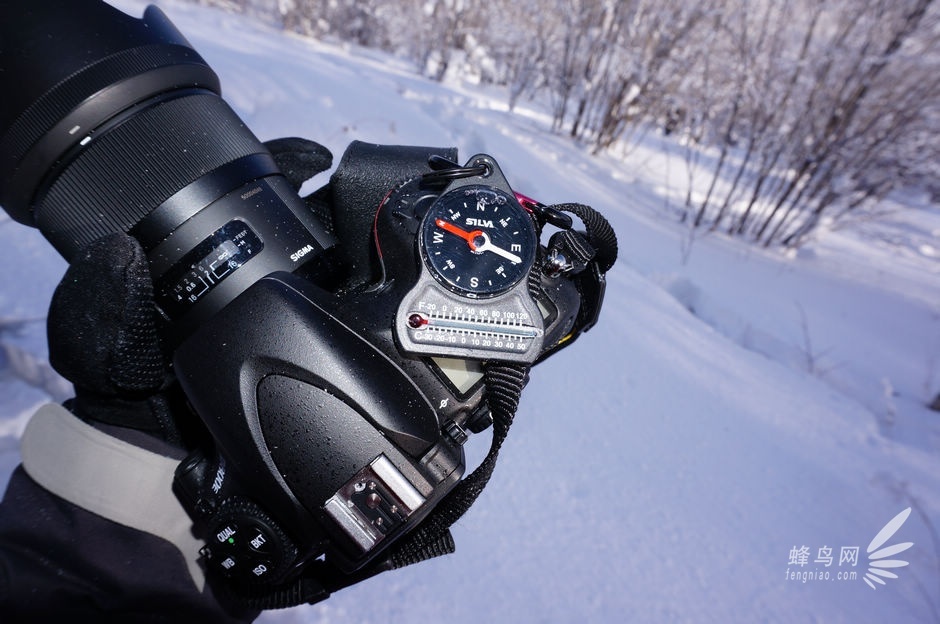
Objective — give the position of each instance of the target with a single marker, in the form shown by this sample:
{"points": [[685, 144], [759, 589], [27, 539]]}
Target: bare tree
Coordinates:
{"points": [[791, 112]]}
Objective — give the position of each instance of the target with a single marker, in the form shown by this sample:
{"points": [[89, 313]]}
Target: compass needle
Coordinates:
{"points": [[499, 251], [453, 229]]}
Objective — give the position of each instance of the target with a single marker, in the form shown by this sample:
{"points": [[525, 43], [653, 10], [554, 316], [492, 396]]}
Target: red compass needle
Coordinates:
{"points": [[470, 237]]}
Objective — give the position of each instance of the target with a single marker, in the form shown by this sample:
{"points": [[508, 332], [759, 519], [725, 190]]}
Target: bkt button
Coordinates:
{"points": [[259, 540]]}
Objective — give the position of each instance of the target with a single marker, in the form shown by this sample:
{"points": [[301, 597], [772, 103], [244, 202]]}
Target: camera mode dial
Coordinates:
{"points": [[244, 544]]}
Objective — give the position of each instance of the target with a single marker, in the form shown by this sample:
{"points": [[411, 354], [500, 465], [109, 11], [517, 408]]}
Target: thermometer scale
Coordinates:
{"points": [[471, 331]]}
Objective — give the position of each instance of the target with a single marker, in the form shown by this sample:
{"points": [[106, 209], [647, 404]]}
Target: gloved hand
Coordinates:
{"points": [[58, 560], [102, 327], [103, 337]]}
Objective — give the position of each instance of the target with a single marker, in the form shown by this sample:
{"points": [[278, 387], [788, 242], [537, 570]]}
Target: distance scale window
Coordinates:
{"points": [[206, 266]]}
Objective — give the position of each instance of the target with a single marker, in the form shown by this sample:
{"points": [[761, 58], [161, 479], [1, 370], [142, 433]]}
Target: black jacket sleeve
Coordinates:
{"points": [[59, 562]]}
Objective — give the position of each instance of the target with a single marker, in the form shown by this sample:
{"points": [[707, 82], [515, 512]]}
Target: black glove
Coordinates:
{"points": [[103, 338], [58, 560]]}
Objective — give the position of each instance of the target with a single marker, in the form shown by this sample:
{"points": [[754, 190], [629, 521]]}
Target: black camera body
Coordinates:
{"points": [[329, 434], [336, 395], [339, 427]]}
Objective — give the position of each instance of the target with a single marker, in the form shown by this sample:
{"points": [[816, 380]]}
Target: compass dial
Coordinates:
{"points": [[478, 241]]}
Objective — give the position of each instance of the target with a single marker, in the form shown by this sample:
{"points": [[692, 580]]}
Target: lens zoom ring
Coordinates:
{"points": [[120, 177]]}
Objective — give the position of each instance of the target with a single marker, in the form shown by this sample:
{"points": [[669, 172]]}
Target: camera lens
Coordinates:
{"points": [[110, 123]]}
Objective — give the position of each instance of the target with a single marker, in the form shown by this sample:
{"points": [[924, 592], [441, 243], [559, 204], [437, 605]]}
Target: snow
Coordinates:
{"points": [[734, 403]]}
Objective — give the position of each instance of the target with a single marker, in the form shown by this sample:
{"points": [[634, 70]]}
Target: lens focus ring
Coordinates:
{"points": [[123, 174]]}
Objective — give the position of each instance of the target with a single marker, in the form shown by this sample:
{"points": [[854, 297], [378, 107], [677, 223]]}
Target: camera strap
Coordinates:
{"points": [[432, 538], [504, 383]]}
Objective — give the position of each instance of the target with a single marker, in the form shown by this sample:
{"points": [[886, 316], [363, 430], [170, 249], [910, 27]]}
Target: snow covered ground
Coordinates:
{"points": [[734, 407]]}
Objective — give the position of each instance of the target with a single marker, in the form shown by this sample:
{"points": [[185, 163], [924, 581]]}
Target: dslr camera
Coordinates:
{"points": [[337, 350]]}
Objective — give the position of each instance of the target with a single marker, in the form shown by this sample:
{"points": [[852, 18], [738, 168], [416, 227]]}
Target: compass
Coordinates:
{"points": [[477, 248], [478, 241]]}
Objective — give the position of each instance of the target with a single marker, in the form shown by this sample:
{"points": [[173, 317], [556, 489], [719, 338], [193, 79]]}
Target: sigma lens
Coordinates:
{"points": [[110, 123]]}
